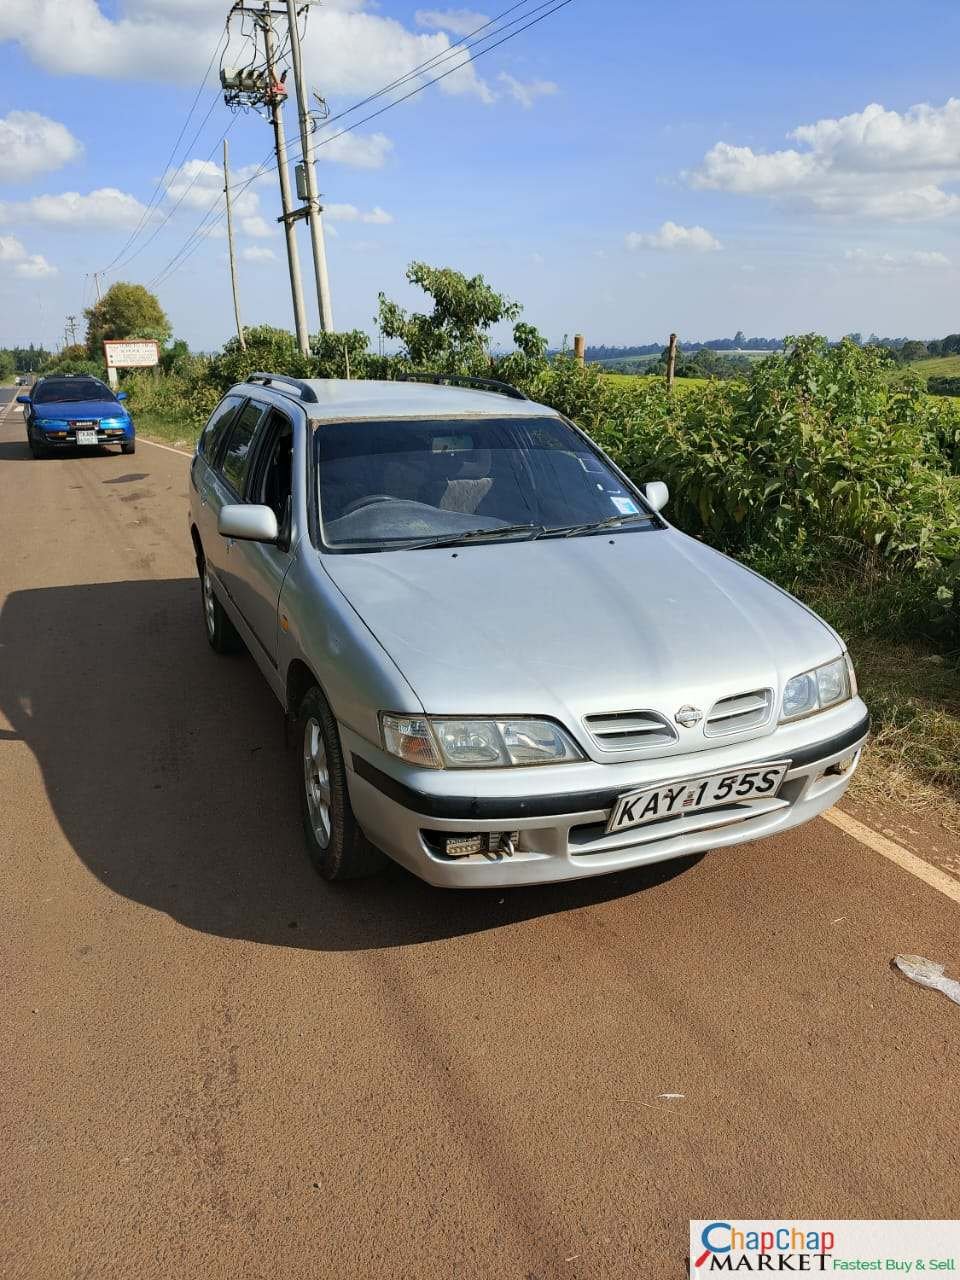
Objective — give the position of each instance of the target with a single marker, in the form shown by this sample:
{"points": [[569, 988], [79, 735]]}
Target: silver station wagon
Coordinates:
{"points": [[505, 666]]}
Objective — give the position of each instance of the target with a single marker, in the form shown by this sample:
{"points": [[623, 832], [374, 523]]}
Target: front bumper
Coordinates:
{"points": [[58, 438], [563, 833]]}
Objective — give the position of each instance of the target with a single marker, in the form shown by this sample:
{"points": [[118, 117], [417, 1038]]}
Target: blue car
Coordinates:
{"points": [[68, 411]]}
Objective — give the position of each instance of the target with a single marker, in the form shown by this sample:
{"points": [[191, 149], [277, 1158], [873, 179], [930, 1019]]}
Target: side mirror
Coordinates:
{"points": [[657, 494], [23, 399], [248, 522], [122, 395]]}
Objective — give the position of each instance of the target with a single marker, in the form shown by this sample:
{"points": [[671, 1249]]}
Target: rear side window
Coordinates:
{"points": [[239, 451], [216, 428]]}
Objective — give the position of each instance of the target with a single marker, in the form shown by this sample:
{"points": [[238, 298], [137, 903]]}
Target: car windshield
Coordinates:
{"points": [[62, 390], [383, 485]]}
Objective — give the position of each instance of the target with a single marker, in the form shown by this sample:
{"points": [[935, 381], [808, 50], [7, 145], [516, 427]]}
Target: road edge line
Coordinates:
{"points": [[169, 447], [895, 853]]}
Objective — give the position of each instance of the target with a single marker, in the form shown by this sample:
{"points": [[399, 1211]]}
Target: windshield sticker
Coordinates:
{"points": [[452, 444], [626, 506]]}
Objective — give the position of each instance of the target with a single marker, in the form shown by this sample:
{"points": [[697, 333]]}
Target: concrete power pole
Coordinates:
{"points": [[233, 256], [289, 224], [314, 215]]}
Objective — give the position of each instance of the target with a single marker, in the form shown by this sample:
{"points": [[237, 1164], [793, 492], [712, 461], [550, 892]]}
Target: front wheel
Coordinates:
{"points": [[221, 632], [337, 847], [129, 447]]}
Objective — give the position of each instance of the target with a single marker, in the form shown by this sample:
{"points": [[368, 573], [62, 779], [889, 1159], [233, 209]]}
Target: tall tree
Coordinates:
{"points": [[454, 336], [125, 311]]}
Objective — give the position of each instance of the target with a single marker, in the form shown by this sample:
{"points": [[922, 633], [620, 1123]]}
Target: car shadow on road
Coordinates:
{"points": [[167, 770], [19, 451]]}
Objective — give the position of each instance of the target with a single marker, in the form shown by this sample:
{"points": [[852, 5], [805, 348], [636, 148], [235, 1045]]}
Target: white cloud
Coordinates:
{"points": [[527, 92], [32, 265], [198, 184], [347, 49], [460, 21], [358, 150], [871, 262], [673, 236], [105, 207], [874, 163], [257, 253], [35, 267], [32, 144], [257, 227], [350, 213]]}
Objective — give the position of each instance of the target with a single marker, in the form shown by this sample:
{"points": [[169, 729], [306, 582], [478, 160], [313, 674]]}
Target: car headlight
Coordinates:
{"points": [[819, 688], [442, 743]]}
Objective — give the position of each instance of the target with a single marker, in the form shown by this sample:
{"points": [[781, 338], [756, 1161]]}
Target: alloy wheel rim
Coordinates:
{"points": [[316, 781], [209, 603]]}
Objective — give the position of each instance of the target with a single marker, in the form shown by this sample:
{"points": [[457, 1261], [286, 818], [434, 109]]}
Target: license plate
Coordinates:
{"points": [[692, 795], [86, 437]]}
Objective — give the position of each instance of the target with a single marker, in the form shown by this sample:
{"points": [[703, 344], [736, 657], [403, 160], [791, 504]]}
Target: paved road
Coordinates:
{"points": [[219, 1066]]}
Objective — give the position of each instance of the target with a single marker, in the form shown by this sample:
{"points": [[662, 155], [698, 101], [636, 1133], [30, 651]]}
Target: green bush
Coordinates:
{"points": [[815, 466], [943, 386]]}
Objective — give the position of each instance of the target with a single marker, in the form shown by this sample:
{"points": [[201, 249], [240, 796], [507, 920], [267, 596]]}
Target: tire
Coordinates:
{"points": [[337, 847], [129, 448], [221, 633], [36, 450]]}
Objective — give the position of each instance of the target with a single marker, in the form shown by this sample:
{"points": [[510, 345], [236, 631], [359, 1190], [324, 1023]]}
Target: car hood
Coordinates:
{"points": [[581, 626], [71, 409]]}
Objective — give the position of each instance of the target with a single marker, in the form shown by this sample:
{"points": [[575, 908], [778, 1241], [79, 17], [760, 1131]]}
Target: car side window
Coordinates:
{"points": [[217, 427], [239, 448], [272, 481]]}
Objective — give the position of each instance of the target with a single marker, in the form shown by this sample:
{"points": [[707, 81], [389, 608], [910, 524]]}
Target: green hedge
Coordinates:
{"points": [[943, 386]]}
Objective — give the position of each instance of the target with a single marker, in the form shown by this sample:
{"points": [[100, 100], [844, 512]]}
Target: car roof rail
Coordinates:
{"points": [[461, 380], [306, 392]]}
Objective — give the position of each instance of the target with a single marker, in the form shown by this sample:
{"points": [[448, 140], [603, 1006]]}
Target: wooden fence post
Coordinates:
{"points": [[579, 348], [671, 361]]}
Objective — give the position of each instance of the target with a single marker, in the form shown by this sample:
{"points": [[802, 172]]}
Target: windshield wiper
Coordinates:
{"points": [[475, 535], [597, 526]]}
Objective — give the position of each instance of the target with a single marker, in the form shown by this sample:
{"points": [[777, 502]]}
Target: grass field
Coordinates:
{"points": [[631, 379], [938, 367], [168, 430]]}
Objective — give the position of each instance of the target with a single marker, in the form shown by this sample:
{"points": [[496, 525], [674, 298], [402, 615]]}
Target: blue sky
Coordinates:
{"points": [[621, 169]]}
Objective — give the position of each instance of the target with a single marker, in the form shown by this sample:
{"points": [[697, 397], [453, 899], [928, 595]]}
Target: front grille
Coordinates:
{"points": [[742, 711], [628, 730]]}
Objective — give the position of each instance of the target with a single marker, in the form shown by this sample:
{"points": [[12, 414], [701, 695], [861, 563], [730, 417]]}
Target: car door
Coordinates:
{"points": [[209, 449], [227, 483], [259, 568]]}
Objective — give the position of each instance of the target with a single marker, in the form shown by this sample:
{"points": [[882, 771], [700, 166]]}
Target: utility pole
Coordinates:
{"points": [[288, 220], [96, 281], [671, 361], [70, 328], [233, 256], [312, 195]]}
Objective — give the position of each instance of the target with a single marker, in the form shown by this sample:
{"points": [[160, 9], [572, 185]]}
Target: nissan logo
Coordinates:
{"points": [[689, 717]]}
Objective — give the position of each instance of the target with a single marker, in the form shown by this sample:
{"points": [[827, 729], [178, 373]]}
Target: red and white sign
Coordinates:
{"points": [[132, 353]]}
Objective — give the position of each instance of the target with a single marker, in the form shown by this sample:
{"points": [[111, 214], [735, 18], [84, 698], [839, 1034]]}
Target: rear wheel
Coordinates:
{"points": [[221, 632], [337, 847]]}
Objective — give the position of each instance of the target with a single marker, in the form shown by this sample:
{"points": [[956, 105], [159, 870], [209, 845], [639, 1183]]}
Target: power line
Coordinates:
{"points": [[183, 195], [199, 233], [173, 151], [458, 46]]}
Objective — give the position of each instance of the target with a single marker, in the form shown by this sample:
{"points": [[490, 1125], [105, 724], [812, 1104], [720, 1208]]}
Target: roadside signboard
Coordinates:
{"points": [[132, 353]]}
